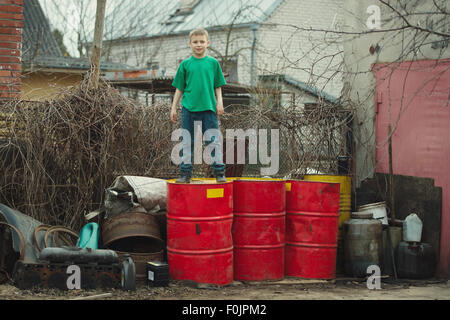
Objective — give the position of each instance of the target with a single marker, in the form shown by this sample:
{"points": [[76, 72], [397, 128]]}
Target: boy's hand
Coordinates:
{"points": [[219, 109], [173, 115]]}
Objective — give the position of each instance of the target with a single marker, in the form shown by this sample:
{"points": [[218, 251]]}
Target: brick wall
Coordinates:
{"points": [[11, 23]]}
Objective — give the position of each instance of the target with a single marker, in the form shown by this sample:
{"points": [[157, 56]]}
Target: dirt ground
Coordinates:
{"points": [[287, 289]]}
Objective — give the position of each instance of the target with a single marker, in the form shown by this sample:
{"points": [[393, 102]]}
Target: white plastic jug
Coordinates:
{"points": [[412, 228]]}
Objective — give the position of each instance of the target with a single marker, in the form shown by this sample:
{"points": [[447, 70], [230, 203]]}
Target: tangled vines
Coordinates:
{"points": [[57, 157]]}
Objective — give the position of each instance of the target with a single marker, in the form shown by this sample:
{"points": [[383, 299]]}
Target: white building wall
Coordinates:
{"points": [[315, 57], [168, 51]]}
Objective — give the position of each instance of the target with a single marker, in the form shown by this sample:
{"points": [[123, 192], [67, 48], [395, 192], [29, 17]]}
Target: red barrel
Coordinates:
{"points": [[199, 242], [312, 216], [259, 229]]}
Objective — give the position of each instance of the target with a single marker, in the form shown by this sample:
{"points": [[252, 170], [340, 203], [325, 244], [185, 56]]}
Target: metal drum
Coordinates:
{"points": [[363, 243], [259, 229], [312, 212], [345, 183], [199, 242], [132, 232]]}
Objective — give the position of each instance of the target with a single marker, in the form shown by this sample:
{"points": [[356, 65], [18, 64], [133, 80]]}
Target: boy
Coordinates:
{"points": [[197, 79]]}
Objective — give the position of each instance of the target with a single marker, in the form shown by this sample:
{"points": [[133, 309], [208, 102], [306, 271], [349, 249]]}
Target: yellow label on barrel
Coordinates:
{"points": [[214, 193], [288, 186]]}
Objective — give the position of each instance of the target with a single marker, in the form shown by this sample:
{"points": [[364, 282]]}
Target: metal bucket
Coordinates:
{"points": [[312, 213], [378, 210], [259, 229], [199, 243]]}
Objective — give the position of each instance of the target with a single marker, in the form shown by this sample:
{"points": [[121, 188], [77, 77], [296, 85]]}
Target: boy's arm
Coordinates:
{"points": [[219, 105], [176, 100]]}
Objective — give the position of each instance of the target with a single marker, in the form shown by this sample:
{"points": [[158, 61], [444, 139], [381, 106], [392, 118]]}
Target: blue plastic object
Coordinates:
{"points": [[89, 236]]}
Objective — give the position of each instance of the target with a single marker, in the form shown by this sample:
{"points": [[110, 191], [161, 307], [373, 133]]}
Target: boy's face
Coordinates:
{"points": [[198, 45]]}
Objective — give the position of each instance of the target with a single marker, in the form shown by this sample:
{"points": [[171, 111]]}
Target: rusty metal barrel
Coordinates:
{"points": [[199, 242], [312, 213], [137, 234], [259, 229]]}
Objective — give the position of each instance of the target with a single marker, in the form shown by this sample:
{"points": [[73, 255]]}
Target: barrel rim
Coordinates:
{"points": [[314, 214], [276, 246], [327, 174], [196, 182], [312, 245], [198, 252], [361, 215], [256, 179], [279, 214], [312, 181], [201, 218], [371, 205]]}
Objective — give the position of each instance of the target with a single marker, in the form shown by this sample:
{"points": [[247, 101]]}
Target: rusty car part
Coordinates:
{"points": [[22, 240], [25, 224], [54, 275], [79, 255], [132, 231], [58, 229], [42, 227]]}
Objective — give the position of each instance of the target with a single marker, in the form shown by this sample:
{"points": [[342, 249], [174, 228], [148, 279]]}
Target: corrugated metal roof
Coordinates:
{"points": [[310, 88], [37, 38], [41, 50], [75, 63], [149, 18]]}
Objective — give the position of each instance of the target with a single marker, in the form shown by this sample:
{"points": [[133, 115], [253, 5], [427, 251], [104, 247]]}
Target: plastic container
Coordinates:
{"points": [[412, 228], [415, 260], [89, 236], [362, 243]]}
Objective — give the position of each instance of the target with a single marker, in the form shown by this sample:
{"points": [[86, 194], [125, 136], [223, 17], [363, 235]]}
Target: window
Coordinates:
{"points": [[152, 65]]}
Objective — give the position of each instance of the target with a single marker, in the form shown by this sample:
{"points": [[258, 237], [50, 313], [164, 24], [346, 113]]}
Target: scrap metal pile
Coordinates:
{"points": [[112, 253]]}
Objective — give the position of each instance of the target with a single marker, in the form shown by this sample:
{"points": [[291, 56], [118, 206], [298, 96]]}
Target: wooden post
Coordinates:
{"points": [[391, 173], [97, 45]]}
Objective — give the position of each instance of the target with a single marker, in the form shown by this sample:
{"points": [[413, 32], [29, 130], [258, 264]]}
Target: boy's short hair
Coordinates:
{"points": [[198, 32]]}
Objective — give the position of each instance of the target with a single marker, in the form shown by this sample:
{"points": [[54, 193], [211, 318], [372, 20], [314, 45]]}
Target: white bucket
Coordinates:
{"points": [[378, 210], [412, 228]]}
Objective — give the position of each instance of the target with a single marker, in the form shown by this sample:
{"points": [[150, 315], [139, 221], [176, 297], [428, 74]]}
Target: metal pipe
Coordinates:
{"points": [[254, 28]]}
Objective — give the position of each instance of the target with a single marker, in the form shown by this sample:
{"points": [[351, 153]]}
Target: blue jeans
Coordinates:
{"points": [[209, 121]]}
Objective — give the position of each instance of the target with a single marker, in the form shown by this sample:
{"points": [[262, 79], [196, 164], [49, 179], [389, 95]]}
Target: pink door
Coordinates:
{"points": [[414, 98]]}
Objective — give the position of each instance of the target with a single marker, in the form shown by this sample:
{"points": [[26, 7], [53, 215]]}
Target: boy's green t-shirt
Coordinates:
{"points": [[197, 78]]}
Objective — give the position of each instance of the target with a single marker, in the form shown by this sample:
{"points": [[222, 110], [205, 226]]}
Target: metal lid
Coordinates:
{"points": [[362, 215]]}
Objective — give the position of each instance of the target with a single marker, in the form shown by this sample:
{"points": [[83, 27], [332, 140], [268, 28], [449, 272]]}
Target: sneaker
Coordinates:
{"points": [[183, 179], [220, 178]]}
